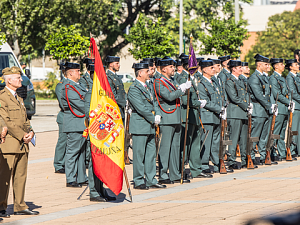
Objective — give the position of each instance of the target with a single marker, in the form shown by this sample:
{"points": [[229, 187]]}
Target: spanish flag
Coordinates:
{"points": [[106, 129]]}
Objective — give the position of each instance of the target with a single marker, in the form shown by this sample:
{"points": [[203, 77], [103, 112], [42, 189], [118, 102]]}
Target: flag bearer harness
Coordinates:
{"points": [[70, 87], [163, 81]]}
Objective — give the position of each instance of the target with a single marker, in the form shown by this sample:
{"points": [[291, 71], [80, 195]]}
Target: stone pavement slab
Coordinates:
{"points": [[224, 199]]}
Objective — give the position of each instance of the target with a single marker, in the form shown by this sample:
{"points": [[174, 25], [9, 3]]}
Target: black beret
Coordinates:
{"points": [[150, 63], [149, 60], [234, 63], [185, 60], [276, 60], [69, 65], [199, 59], [138, 66], [260, 58], [178, 62], [245, 64], [206, 63], [166, 62], [91, 67], [156, 59], [182, 55], [224, 58], [110, 59], [88, 61], [216, 61]]}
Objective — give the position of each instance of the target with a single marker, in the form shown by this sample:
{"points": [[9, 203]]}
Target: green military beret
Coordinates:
{"points": [[12, 70]]}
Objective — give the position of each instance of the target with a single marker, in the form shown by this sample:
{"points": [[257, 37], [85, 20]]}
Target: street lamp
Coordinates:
{"points": [[180, 26]]}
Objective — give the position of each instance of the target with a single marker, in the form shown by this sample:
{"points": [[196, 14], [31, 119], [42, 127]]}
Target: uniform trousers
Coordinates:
{"points": [[144, 159], [13, 166], [280, 128], [75, 158], [169, 152], [60, 149], [260, 128], [238, 130], [296, 127], [192, 149], [211, 146]]}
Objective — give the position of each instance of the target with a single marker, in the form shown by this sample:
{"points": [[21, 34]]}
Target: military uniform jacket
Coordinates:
{"points": [[176, 76], [293, 83], [194, 103], [117, 88], [60, 115], [221, 86], [236, 93], [279, 86], [166, 96], [13, 112], [72, 123], [143, 109], [157, 75], [198, 75], [244, 79], [224, 75], [211, 111], [86, 81], [260, 94]]}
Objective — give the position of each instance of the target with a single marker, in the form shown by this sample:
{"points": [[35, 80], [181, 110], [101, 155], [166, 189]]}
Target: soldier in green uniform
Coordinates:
{"points": [[145, 115], [225, 73], [194, 130], [86, 80], [60, 149], [73, 102], [260, 92], [116, 83], [279, 87], [245, 74], [97, 191], [169, 93], [293, 83], [157, 73], [211, 112], [179, 69], [152, 67], [237, 114]]}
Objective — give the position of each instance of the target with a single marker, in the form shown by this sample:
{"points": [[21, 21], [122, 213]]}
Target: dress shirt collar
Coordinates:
{"points": [[11, 91]]}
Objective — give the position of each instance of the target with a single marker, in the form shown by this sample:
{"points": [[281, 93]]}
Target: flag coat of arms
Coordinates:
{"points": [[106, 129]]}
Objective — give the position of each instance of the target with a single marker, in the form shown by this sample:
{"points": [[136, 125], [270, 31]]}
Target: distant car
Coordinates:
{"points": [[126, 78], [8, 59]]}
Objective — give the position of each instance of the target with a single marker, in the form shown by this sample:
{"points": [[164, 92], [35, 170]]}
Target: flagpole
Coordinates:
{"points": [[186, 123], [127, 184]]}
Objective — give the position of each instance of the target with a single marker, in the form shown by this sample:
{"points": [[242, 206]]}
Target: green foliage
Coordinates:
{"points": [[198, 15], [50, 83], [149, 39], [67, 42], [224, 37], [2, 38], [279, 40]]}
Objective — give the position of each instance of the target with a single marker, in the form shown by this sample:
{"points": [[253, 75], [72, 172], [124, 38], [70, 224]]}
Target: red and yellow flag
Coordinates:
{"points": [[106, 129]]}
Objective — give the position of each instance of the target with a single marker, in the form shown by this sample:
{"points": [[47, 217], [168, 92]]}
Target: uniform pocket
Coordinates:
{"points": [[14, 112]]}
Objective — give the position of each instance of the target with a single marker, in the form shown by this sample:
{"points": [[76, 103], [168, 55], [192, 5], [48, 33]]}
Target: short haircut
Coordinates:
{"points": [[297, 52], [137, 73]]}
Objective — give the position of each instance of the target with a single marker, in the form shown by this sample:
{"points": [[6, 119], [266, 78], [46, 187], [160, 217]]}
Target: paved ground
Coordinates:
{"points": [[225, 199]]}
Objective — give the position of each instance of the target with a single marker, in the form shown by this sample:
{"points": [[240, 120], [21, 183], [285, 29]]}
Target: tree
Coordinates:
{"points": [[279, 40], [2, 38], [150, 39], [224, 36], [67, 42], [198, 16]]}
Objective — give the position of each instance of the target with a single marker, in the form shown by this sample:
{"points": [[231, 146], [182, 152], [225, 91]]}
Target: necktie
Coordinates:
{"points": [[16, 96]]}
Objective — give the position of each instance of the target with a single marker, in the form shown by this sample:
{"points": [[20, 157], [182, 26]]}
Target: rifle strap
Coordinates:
{"points": [[205, 89], [295, 83], [263, 84]]}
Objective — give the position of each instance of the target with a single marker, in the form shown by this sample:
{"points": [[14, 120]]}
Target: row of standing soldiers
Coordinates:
{"points": [[157, 100]]}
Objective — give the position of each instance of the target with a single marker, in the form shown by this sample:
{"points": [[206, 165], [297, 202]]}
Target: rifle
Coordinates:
{"points": [[250, 141], [290, 135], [157, 140], [272, 137], [223, 144], [127, 138]]}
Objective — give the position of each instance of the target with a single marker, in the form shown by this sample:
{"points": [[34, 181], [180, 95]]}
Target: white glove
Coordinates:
{"points": [[203, 103], [223, 113], [250, 108], [183, 87], [157, 119], [292, 106], [273, 109], [129, 110]]}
